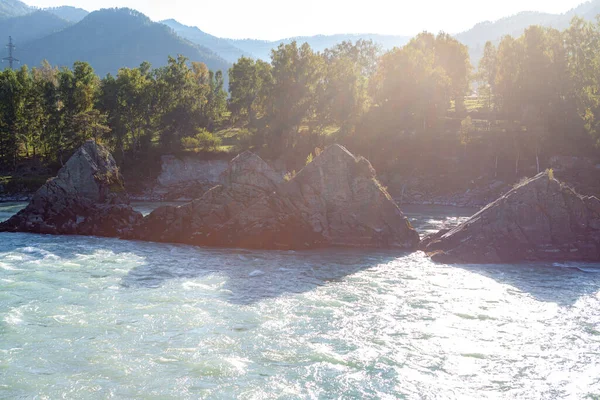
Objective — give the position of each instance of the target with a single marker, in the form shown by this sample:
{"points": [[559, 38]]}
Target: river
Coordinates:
{"points": [[86, 317]]}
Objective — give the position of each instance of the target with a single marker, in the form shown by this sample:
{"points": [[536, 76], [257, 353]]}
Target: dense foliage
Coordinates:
{"points": [[47, 113], [537, 95]]}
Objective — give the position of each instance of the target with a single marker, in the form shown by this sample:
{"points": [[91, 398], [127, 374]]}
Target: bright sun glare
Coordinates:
{"points": [[273, 19]]}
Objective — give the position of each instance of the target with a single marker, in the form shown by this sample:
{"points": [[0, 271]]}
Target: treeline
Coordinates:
{"points": [[302, 95], [47, 113], [408, 109], [537, 96], [545, 87]]}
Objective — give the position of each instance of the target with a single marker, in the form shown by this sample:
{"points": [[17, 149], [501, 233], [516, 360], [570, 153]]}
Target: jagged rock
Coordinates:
{"points": [[539, 220], [334, 201], [247, 178], [87, 197]]}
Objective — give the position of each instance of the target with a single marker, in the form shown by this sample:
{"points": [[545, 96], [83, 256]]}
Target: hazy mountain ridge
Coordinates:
{"points": [[222, 47], [262, 48], [114, 38], [110, 39], [476, 37], [13, 8], [32, 26], [68, 13]]}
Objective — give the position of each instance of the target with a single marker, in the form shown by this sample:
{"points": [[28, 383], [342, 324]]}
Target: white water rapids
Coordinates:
{"points": [[96, 318]]}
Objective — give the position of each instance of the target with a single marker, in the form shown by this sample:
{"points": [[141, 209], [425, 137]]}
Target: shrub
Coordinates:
{"points": [[189, 143], [206, 140], [203, 140], [289, 176], [309, 159]]}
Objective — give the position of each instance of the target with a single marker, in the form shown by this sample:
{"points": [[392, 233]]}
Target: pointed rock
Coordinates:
{"points": [[247, 178], [334, 201], [87, 197], [539, 220]]}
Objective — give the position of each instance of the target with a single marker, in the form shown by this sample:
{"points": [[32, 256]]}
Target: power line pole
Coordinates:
{"points": [[11, 60]]}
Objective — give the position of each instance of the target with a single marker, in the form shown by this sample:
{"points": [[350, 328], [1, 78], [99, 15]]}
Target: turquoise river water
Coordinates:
{"points": [[85, 317]]}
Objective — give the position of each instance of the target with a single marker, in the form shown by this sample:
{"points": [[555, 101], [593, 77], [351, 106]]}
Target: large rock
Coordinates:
{"points": [[334, 201], [539, 220], [247, 178], [87, 197]]}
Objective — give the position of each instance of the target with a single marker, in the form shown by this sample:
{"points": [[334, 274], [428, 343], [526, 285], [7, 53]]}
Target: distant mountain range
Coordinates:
{"points": [[476, 37], [233, 49], [13, 8], [113, 38], [262, 49], [71, 14], [28, 27], [223, 47]]}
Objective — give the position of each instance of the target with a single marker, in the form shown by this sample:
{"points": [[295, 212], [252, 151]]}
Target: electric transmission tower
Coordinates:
{"points": [[11, 60]]}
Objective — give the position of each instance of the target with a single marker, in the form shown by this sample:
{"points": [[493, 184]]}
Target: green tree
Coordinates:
{"points": [[296, 73], [486, 74], [77, 90], [466, 130], [343, 96], [411, 90], [11, 106], [249, 85], [582, 42]]}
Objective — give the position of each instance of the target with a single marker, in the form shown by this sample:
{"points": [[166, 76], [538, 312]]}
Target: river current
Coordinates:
{"points": [[85, 317]]}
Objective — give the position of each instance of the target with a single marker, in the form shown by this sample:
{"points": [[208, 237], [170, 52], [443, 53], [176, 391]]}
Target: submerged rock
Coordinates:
{"points": [[87, 197], [539, 220], [334, 201]]}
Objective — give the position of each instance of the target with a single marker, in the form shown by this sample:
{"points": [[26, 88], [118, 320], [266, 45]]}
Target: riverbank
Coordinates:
{"points": [[186, 178]]}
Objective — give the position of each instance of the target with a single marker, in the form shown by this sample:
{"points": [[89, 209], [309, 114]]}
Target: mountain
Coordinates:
{"points": [[588, 11], [220, 46], [262, 48], [476, 37], [514, 25], [13, 8], [68, 13], [35, 25], [113, 38], [232, 49]]}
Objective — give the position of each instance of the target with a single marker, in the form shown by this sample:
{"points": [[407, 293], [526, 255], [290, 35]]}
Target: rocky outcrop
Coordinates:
{"points": [[539, 220], [247, 179], [87, 197], [334, 201]]}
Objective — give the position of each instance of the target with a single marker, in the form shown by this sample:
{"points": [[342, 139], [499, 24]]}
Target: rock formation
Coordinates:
{"points": [[86, 198], [334, 201], [247, 178], [539, 220]]}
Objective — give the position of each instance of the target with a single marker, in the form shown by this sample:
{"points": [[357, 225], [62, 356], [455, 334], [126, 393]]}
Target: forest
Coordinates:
{"points": [[419, 109]]}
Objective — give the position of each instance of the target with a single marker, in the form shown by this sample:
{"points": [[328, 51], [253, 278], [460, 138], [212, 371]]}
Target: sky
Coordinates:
{"points": [[277, 19]]}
